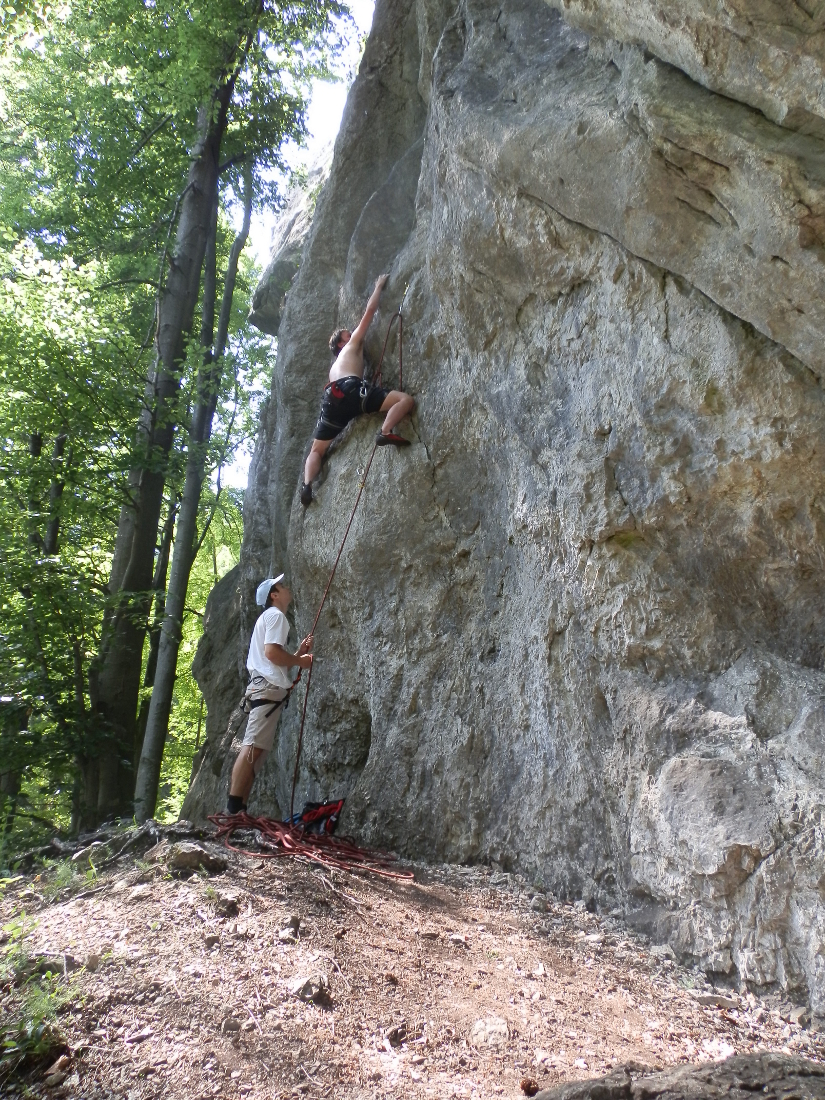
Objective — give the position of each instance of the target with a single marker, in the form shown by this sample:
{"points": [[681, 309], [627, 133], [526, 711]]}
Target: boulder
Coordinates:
{"points": [[773, 1076], [314, 988], [185, 858]]}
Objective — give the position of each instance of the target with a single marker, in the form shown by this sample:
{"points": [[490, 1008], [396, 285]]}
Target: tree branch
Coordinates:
{"points": [[239, 158], [143, 143], [122, 282]]}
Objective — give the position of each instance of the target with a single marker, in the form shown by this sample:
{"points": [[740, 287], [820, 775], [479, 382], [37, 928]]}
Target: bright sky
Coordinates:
{"points": [[323, 122]]}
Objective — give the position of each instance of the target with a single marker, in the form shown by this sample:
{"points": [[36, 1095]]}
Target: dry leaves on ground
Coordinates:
{"points": [[277, 979]]}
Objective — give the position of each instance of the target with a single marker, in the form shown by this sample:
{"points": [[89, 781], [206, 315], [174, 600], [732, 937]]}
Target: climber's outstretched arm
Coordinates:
{"points": [[360, 331]]}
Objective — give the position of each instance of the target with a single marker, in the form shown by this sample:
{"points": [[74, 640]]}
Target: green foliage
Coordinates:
{"points": [[62, 877], [67, 407], [31, 997], [99, 112]]}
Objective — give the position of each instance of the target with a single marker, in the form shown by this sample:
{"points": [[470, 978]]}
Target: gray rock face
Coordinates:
{"points": [[738, 1078], [769, 54], [220, 670], [578, 626], [287, 245]]}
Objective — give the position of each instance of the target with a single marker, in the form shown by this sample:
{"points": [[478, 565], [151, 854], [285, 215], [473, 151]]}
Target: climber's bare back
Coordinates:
{"points": [[350, 359]]}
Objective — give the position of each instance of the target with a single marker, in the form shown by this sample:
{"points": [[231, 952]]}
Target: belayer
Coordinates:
{"points": [[349, 395], [269, 685]]}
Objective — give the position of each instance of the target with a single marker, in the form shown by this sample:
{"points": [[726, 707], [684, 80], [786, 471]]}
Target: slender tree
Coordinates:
{"points": [[117, 686], [186, 541], [255, 33], [159, 598]]}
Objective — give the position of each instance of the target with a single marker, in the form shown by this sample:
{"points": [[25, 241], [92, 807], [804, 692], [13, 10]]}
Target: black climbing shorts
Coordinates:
{"points": [[343, 400]]}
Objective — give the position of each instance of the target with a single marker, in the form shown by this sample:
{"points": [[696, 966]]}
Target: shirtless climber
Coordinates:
{"points": [[348, 395]]}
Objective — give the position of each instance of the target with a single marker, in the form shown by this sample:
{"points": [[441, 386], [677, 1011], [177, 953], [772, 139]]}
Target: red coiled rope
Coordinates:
{"points": [[277, 838]]}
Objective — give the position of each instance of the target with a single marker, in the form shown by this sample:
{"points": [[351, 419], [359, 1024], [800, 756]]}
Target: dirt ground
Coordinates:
{"points": [[461, 984]]}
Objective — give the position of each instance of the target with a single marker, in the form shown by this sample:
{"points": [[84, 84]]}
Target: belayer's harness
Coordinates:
{"points": [[248, 705]]}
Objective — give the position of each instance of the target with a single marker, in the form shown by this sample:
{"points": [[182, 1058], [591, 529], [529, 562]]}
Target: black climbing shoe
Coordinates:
{"points": [[306, 494], [391, 439]]}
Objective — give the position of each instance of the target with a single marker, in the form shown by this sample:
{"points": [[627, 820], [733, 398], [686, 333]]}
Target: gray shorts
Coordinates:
{"points": [[263, 719]]}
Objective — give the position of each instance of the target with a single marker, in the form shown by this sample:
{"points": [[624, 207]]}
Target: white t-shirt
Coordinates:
{"points": [[271, 628]]}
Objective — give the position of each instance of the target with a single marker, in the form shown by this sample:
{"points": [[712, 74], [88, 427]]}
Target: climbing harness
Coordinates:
{"points": [[344, 400], [248, 705], [363, 393], [342, 386], [289, 838]]}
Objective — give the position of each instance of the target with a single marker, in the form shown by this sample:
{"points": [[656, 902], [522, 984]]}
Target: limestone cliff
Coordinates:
{"points": [[579, 626]]}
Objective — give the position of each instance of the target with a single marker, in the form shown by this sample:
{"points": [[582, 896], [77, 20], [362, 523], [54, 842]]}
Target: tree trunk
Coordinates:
{"points": [[209, 378], [13, 720], [35, 450], [159, 591], [55, 494], [85, 803], [118, 675]]}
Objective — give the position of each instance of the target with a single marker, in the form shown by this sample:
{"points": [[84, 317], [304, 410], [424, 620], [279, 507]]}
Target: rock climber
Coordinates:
{"points": [[348, 395], [268, 663]]}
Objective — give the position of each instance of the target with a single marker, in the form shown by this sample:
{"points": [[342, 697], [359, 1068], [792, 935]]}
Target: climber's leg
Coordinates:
{"points": [[396, 405], [312, 467]]}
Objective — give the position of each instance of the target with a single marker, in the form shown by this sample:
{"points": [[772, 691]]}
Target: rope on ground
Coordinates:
{"points": [[277, 838]]}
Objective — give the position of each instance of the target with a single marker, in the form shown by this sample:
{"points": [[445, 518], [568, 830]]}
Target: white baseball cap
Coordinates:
{"points": [[264, 588]]}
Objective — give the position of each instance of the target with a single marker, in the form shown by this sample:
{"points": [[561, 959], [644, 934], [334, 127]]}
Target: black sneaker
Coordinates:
{"points": [[391, 439], [306, 494]]}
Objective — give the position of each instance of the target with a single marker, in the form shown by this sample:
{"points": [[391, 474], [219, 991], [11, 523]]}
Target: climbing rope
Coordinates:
{"points": [[318, 616], [284, 838], [398, 315], [277, 838]]}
